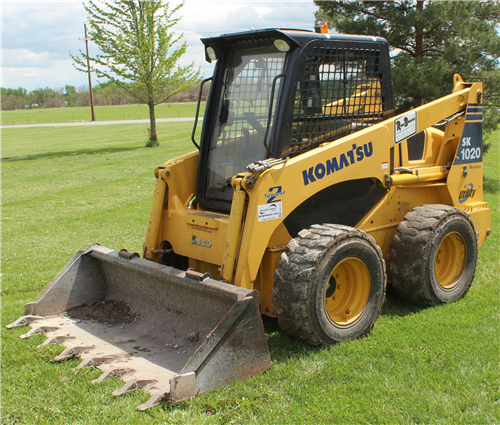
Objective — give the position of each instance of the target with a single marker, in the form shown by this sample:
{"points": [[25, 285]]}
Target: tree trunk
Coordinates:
{"points": [[419, 33], [419, 45], [153, 138], [417, 100]]}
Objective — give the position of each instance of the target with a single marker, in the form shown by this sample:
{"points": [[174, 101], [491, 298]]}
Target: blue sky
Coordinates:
{"points": [[37, 36]]}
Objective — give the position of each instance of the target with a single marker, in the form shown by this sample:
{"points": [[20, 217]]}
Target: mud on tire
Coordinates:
{"points": [[330, 285], [434, 255]]}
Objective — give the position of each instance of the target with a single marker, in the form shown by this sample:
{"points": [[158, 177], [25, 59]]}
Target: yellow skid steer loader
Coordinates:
{"points": [[304, 195]]}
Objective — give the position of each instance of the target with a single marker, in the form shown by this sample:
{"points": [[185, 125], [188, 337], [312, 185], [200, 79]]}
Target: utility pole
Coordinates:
{"points": [[88, 70]]}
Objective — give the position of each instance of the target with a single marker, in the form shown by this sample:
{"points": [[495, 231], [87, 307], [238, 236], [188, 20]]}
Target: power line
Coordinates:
{"points": [[39, 44], [42, 28], [37, 36], [201, 33]]}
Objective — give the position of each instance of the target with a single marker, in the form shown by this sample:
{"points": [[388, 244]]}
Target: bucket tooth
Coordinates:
{"points": [[55, 340], [153, 326], [155, 400], [96, 361], [39, 330], [109, 373], [23, 321], [72, 352], [133, 385]]}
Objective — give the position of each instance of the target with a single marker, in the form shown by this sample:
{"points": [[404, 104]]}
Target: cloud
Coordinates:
{"points": [[213, 18], [36, 40], [36, 24], [58, 74], [37, 36]]}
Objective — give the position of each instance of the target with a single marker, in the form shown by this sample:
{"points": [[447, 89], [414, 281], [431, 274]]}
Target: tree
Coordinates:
{"points": [[13, 98], [70, 95], [431, 41], [46, 97], [138, 53]]}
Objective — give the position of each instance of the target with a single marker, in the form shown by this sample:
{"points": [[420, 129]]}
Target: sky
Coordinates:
{"points": [[37, 36]]}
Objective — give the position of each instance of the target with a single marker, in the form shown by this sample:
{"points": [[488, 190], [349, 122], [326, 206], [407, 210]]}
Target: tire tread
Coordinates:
{"points": [[297, 268], [411, 245]]}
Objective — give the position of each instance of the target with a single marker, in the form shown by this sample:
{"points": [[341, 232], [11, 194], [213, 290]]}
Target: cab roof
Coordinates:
{"points": [[298, 37]]}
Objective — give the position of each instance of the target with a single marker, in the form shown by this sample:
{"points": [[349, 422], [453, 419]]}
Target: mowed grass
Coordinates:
{"points": [[102, 113], [65, 189]]}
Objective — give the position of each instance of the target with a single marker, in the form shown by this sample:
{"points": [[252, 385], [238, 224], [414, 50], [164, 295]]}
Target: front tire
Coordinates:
{"points": [[434, 255], [330, 285]]}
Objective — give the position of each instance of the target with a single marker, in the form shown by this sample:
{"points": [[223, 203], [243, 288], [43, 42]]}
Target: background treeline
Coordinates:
{"points": [[104, 94]]}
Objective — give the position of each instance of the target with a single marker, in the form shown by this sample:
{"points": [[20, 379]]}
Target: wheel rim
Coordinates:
{"points": [[449, 264], [347, 291]]}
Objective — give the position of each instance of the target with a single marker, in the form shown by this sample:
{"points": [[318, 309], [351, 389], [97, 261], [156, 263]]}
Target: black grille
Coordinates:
{"points": [[249, 97], [339, 94], [243, 113]]}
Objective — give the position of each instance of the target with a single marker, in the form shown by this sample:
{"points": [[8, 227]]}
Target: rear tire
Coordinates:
{"points": [[330, 285], [434, 255]]}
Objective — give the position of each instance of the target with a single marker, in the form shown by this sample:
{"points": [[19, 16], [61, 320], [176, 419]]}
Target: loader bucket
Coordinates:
{"points": [[172, 333]]}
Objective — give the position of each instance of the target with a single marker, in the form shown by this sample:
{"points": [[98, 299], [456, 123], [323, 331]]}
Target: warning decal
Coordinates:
{"points": [[270, 211], [405, 126]]}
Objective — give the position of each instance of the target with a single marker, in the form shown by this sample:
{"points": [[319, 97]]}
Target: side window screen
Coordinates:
{"points": [[243, 113], [416, 146], [339, 94]]}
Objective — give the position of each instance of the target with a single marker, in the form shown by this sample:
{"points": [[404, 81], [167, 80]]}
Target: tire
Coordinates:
{"points": [[330, 285], [433, 255]]}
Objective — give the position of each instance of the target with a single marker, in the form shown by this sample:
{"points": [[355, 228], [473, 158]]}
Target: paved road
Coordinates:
{"points": [[76, 124]]}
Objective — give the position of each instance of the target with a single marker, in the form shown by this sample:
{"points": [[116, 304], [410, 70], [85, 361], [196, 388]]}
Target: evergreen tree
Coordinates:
{"points": [[431, 41], [138, 53]]}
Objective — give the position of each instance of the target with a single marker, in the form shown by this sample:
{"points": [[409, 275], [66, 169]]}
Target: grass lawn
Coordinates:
{"points": [[64, 189], [102, 113]]}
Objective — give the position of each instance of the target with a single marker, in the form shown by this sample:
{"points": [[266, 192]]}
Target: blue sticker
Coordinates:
{"points": [[467, 192], [470, 149], [273, 194]]}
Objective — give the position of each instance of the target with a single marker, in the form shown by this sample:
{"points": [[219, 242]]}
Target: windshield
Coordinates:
{"points": [[238, 139]]}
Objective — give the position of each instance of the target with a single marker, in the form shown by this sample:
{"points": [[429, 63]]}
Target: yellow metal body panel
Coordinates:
{"points": [[233, 233], [481, 216], [302, 176], [264, 281], [197, 235], [155, 220], [382, 221], [246, 245]]}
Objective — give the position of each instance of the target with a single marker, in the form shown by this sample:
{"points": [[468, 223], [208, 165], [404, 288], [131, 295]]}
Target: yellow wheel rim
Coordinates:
{"points": [[347, 291], [449, 264]]}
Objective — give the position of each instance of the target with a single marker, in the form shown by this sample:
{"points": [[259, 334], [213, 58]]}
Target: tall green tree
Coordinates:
{"points": [[139, 53], [431, 41], [13, 98]]}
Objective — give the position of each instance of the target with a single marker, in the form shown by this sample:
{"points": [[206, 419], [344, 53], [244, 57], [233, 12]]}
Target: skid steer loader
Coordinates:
{"points": [[304, 194]]}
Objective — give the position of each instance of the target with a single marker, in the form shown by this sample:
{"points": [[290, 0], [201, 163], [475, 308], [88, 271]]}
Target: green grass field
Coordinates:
{"points": [[64, 189], [102, 113]]}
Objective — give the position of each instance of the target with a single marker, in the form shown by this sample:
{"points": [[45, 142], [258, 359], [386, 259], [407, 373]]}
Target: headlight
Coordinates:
{"points": [[211, 53], [281, 45]]}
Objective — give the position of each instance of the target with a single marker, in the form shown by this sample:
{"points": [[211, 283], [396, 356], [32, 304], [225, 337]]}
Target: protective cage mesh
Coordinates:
{"points": [[339, 94], [244, 114], [249, 96]]}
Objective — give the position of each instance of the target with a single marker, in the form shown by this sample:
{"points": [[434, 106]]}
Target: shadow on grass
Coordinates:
{"points": [[281, 346], [68, 153], [491, 185], [394, 305]]}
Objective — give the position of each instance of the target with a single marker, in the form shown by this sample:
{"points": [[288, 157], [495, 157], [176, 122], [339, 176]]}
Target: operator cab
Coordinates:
{"points": [[277, 93]]}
